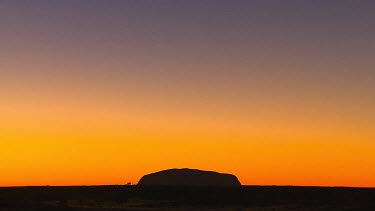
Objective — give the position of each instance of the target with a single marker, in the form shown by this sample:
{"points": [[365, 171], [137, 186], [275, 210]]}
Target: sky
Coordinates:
{"points": [[103, 92]]}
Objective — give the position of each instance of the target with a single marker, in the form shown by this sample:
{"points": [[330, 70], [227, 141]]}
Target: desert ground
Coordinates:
{"points": [[135, 198]]}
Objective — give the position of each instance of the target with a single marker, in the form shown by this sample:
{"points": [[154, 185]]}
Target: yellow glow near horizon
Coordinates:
{"points": [[68, 145]]}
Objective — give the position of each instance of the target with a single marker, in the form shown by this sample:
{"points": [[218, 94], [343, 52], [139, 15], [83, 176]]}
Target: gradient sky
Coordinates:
{"points": [[103, 92]]}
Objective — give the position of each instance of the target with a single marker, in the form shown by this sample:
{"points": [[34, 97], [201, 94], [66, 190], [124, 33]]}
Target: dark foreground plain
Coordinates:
{"points": [[136, 198]]}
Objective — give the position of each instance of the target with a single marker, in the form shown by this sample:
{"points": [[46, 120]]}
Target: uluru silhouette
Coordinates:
{"points": [[189, 177]]}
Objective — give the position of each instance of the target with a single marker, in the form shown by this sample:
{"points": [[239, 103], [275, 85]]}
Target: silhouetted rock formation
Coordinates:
{"points": [[189, 177]]}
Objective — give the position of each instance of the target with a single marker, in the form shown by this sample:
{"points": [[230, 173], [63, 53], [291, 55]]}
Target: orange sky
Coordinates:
{"points": [[104, 93], [77, 141]]}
